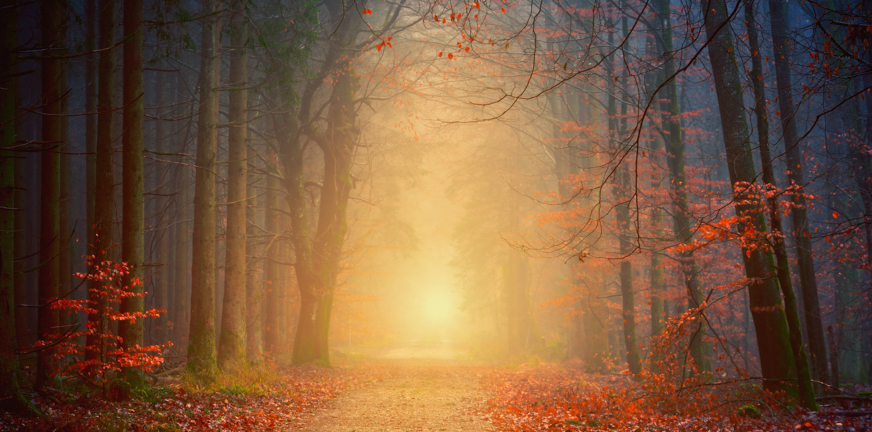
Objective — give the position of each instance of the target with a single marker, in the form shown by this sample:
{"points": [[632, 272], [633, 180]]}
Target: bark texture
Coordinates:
{"points": [[53, 89], [813, 326], [104, 208], [806, 392], [770, 323], [231, 352], [201, 343], [11, 397], [133, 189], [681, 220]]}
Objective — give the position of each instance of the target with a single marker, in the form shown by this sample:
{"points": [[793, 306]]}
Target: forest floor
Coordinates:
{"points": [[417, 395], [431, 387]]}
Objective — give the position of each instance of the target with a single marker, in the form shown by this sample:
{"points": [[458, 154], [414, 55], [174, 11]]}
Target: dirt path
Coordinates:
{"points": [[417, 395]]}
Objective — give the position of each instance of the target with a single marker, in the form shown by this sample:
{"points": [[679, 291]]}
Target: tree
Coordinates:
{"points": [[133, 220], [253, 288], [770, 323], [232, 352], [11, 397], [813, 327], [271, 283], [622, 195], [91, 126], [201, 343], [162, 235], [783, 266], [104, 208], [54, 90], [681, 219]]}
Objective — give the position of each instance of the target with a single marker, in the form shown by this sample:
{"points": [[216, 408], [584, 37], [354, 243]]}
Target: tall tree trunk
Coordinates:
{"points": [[180, 272], [681, 221], [161, 219], [801, 236], [656, 274], [65, 317], [316, 262], [90, 130], [104, 208], [133, 215], [834, 357], [254, 291], [201, 338], [806, 392], [23, 326], [776, 357], [591, 303], [11, 397], [91, 118], [622, 211], [231, 352], [271, 267], [53, 89]]}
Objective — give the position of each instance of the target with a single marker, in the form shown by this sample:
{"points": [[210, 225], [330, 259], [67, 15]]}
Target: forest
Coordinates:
{"points": [[490, 215]]}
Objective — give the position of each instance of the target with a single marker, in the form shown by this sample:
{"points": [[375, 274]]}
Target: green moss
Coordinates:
{"points": [[749, 411]]}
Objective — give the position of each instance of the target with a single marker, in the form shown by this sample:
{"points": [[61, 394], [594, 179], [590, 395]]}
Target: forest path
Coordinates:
{"points": [[418, 395]]}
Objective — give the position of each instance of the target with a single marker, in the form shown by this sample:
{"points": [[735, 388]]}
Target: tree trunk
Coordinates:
{"points": [[180, 272], [90, 135], [201, 338], [770, 323], [656, 274], [622, 211], [813, 326], [254, 291], [65, 318], [231, 352], [11, 397], [834, 357], [23, 326], [271, 267], [104, 208], [592, 305], [53, 89], [681, 222], [806, 391], [133, 205], [161, 219], [90, 121]]}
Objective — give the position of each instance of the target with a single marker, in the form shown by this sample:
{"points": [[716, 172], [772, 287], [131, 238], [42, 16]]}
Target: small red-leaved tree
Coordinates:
{"points": [[106, 294]]}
